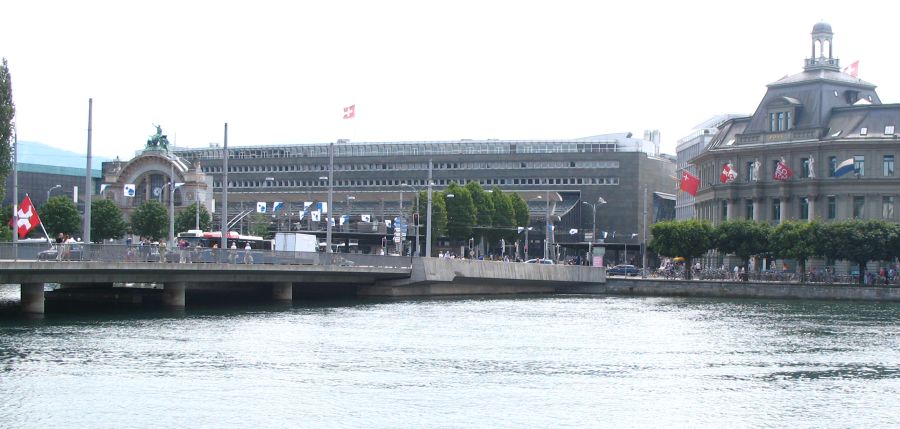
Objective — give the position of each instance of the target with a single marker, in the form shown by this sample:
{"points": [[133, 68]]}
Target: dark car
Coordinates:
{"points": [[623, 270], [73, 254]]}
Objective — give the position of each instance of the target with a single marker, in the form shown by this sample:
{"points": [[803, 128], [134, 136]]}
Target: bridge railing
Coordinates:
{"points": [[153, 254]]}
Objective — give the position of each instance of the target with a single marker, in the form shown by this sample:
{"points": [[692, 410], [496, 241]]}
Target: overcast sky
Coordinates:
{"points": [[281, 72]]}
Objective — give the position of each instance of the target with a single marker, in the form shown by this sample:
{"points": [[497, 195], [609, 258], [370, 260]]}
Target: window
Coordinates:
{"points": [[863, 131], [859, 164], [832, 165], [859, 204], [804, 208], [724, 209], [888, 165], [887, 207], [750, 176], [888, 130], [776, 209], [804, 168], [832, 207], [748, 209]]}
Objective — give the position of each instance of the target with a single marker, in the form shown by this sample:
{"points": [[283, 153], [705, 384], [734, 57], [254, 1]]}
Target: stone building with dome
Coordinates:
{"points": [[812, 122]]}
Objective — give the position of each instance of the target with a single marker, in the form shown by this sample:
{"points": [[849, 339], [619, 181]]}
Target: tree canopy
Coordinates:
{"points": [[60, 215], [688, 239], [151, 219], [796, 240], [743, 237], [7, 125], [460, 212], [106, 221], [187, 218]]}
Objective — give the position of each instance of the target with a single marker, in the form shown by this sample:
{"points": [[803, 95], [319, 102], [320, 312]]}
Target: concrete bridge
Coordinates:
{"points": [[89, 281]]}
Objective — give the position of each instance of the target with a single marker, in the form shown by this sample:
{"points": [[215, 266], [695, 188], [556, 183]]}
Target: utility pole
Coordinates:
{"points": [[644, 241], [88, 186], [428, 214], [330, 192], [224, 238]]}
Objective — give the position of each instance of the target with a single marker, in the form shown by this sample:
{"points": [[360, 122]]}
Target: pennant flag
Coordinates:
{"points": [[331, 221], [315, 216], [322, 207], [129, 189], [28, 217], [302, 215], [261, 207], [604, 234], [573, 231], [387, 223], [306, 205], [728, 174], [844, 168], [178, 184], [344, 219], [277, 205], [366, 218], [350, 112], [519, 229], [103, 187], [782, 172], [689, 183], [852, 69]]}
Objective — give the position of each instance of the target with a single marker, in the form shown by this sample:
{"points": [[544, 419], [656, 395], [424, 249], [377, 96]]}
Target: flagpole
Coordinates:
{"points": [[41, 222], [15, 228], [86, 233]]}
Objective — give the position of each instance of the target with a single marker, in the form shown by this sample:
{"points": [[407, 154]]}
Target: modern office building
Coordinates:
{"points": [[688, 148], [810, 123], [372, 181]]}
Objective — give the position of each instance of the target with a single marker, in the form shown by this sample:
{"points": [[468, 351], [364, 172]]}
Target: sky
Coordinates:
{"points": [[281, 72]]}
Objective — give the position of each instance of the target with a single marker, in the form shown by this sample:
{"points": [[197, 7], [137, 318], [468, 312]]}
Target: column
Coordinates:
{"points": [[32, 297], [812, 207], [173, 294], [283, 291], [731, 209], [785, 214], [757, 209]]}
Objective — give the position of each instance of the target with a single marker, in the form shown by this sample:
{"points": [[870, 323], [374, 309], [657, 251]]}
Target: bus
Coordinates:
{"points": [[209, 238]]}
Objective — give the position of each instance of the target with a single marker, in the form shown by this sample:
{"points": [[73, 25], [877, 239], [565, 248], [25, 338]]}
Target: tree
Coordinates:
{"points": [[6, 231], [438, 214], [259, 225], [151, 219], [860, 242], [7, 126], [796, 240], [460, 212], [484, 211], [520, 207], [504, 216], [688, 239], [744, 238], [187, 219], [106, 220], [60, 215]]}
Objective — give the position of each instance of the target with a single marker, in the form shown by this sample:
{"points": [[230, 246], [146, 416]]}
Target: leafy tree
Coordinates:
{"points": [[60, 215], [106, 220], [151, 219], [797, 240], [460, 212], [6, 230], [259, 225], [688, 239], [860, 242], [187, 219], [438, 214], [7, 113], [520, 207], [484, 210], [504, 216], [743, 237]]}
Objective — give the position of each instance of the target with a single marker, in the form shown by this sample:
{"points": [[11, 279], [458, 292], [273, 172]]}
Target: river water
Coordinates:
{"points": [[541, 361]]}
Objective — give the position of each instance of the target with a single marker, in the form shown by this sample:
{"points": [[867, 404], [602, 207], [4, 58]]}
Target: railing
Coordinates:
{"points": [[148, 254], [775, 276]]}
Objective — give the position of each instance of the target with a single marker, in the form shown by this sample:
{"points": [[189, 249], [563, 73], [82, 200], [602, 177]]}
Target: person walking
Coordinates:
{"points": [[162, 251], [248, 257]]}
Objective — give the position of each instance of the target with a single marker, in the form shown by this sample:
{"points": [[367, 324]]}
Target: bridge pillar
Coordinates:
{"points": [[173, 294], [283, 291], [32, 297]]}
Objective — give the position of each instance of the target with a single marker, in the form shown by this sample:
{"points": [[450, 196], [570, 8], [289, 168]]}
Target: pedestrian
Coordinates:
{"points": [[248, 257], [232, 251], [162, 251]]}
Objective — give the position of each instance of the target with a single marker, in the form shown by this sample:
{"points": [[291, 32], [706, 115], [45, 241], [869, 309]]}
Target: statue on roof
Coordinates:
{"points": [[158, 140]]}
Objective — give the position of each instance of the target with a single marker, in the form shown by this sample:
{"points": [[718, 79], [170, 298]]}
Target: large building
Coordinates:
{"points": [[372, 181], [809, 122], [688, 148]]}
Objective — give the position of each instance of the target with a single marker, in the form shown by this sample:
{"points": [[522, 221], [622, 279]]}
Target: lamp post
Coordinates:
{"points": [[546, 227], [428, 215], [593, 206], [416, 216], [330, 195], [51, 189]]}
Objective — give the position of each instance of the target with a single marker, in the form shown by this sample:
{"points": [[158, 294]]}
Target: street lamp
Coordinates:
{"points": [[51, 189], [593, 206], [330, 195]]}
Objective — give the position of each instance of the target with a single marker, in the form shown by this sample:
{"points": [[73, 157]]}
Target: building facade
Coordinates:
{"points": [[688, 148]]}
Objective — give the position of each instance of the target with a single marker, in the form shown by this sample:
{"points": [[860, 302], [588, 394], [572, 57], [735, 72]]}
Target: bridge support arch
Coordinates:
{"points": [[173, 294], [283, 291], [32, 297]]}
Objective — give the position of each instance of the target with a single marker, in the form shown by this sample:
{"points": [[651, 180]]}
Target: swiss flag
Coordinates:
{"points": [[728, 174], [782, 172], [350, 112], [689, 183], [852, 69], [28, 217]]}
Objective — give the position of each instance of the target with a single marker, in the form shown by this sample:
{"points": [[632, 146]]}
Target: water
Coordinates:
{"points": [[548, 361]]}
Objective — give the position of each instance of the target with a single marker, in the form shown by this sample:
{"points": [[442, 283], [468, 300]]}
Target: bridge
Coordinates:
{"points": [[90, 273]]}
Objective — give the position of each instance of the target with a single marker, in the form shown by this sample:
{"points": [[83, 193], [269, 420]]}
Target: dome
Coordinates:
{"points": [[822, 27]]}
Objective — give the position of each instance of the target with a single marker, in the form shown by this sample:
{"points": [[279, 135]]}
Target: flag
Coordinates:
{"points": [[306, 205], [689, 183], [387, 223], [519, 229], [129, 189], [315, 215], [277, 205], [728, 173], [302, 215], [343, 219], [322, 207], [103, 187], [573, 231], [782, 172], [261, 207], [852, 69], [350, 112], [178, 184], [366, 218], [28, 217], [844, 168]]}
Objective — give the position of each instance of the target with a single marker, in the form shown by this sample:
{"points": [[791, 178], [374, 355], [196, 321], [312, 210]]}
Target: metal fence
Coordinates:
{"points": [[777, 276], [146, 254]]}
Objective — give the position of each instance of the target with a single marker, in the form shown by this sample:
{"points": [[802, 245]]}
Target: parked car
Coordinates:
{"points": [[539, 261], [74, 254], [623, 270]]}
